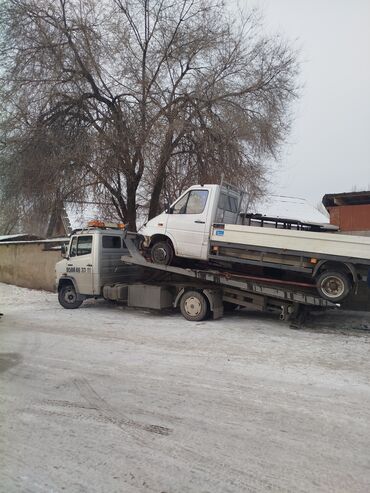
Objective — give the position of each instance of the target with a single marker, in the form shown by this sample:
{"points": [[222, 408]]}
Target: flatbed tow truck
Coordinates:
{"points": [[104, 261], [216, 290]]}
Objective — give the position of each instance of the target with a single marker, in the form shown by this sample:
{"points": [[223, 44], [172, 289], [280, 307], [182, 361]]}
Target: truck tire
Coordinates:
{"points": [[162, 253], [333, 286], [194, 306], [67, 297]]}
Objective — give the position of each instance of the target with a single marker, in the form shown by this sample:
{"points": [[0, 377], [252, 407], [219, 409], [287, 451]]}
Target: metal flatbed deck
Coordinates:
{"points": [[238, 287]]}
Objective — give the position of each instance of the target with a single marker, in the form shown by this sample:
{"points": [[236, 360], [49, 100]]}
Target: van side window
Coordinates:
{"points": [[193, 202], [180, 206], [112, 241], [228, 203], [84, 245]]}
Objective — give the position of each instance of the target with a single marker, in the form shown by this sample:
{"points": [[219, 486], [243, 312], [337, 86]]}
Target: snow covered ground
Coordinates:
{"points": [[109, 399]]}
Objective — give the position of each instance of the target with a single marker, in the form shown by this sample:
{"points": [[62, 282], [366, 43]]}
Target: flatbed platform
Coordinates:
{"points": [[240, 289]]}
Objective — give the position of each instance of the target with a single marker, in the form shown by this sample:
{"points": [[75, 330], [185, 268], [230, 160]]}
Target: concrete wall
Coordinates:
{"points": [[28, 265]]}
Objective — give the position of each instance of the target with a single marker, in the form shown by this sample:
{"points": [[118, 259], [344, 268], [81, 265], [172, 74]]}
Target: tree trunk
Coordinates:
{"points": [[157, 190], [131, 206], [160, 175]]}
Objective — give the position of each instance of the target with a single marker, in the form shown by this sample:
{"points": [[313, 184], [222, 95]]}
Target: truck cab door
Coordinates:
{"points": [[187, 223], [79, 263]]}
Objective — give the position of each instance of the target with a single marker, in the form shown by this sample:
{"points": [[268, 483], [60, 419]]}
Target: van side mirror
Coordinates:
{"points": [[168, 208]]}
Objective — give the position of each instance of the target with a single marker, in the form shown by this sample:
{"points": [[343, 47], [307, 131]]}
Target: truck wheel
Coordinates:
{"points": [[333, 286], [194, 306], [162, 253], [67, 297]]}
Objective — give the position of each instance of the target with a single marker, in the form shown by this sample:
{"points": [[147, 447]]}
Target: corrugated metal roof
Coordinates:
{"points": [[346, 198]]}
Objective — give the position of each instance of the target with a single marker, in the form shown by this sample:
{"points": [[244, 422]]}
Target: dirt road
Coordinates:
{"points": [[105, 399]]}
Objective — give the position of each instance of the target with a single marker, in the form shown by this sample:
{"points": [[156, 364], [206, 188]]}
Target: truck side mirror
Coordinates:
{"points": [[63, 250]]}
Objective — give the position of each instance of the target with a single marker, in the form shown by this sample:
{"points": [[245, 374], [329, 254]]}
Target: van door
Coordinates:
{"points": [[79, 263], [187, 222]]}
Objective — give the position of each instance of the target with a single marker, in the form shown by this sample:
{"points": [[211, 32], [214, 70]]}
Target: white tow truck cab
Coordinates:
{"points": [[92, 261], [206, 223]]}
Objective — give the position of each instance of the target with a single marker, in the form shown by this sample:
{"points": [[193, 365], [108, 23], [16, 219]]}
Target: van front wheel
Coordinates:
{"points": [[67, 297], [162, 253]]}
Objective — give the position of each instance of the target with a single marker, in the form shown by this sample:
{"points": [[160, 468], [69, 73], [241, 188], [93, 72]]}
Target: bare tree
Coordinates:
{"points": [[135, 94]]}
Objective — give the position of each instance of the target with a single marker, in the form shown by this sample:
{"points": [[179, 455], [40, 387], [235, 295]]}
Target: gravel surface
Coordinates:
{"points": [[109, 399]]}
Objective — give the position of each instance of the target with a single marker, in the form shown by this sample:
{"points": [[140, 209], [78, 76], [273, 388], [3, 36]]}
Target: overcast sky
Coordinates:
{"points": [[329, 146]]}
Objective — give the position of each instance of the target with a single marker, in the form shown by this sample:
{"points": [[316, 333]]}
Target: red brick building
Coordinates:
{"points": [[350, 211]]}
